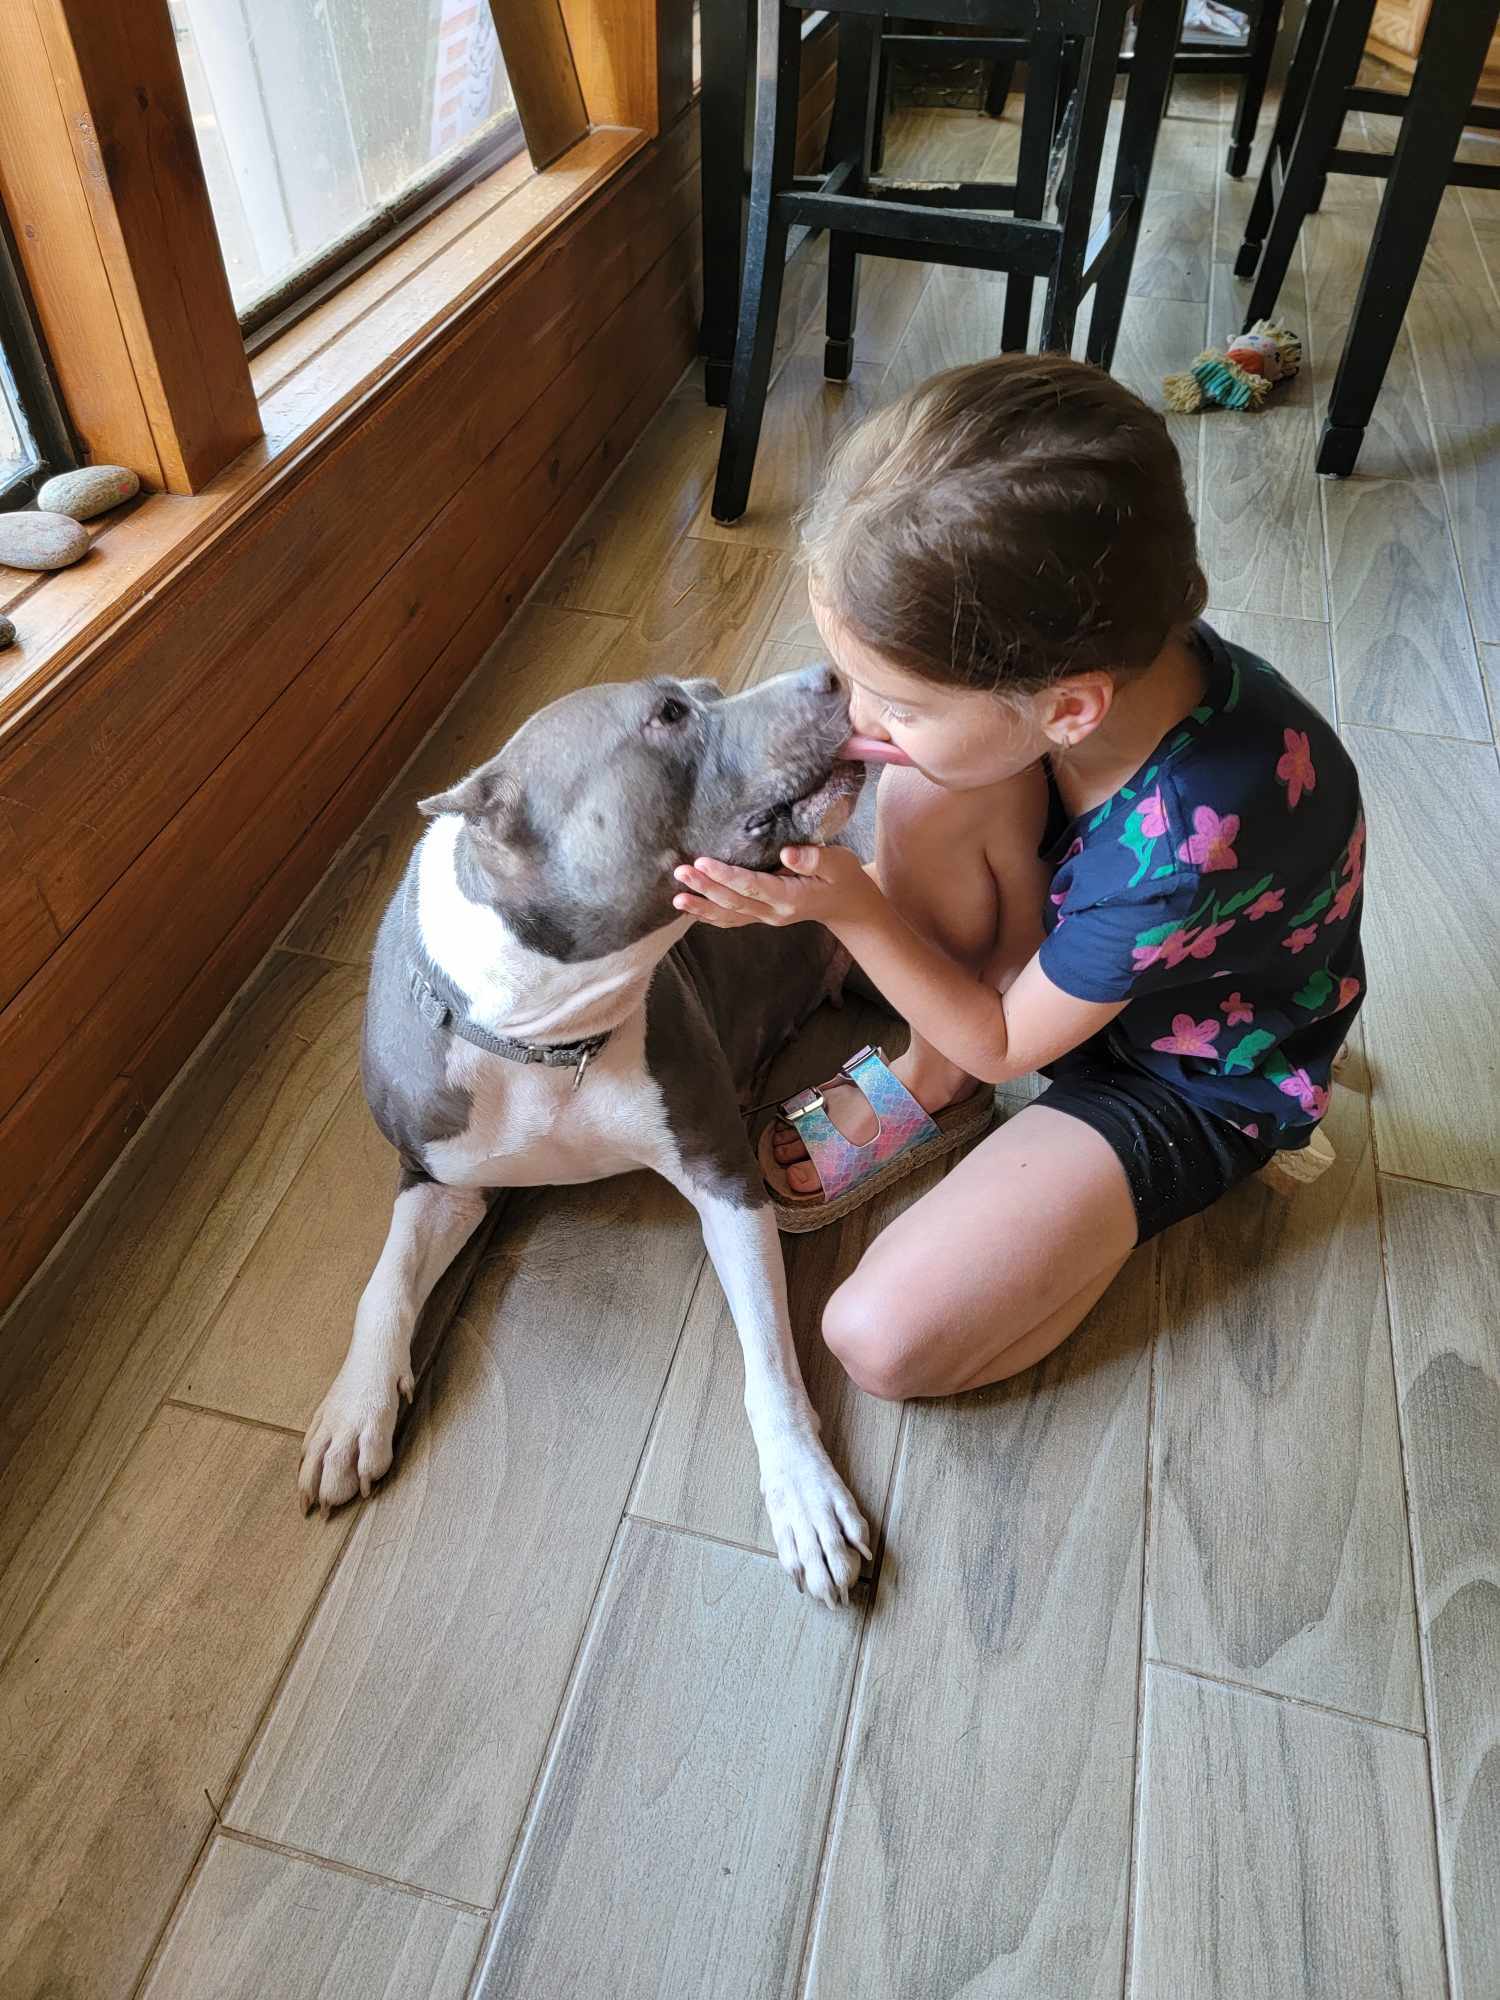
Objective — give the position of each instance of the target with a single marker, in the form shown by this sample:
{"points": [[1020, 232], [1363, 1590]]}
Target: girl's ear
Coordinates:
{"points": [[1071, 709]]}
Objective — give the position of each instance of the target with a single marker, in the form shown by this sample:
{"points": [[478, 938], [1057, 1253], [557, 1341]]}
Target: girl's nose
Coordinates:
{"points": [[865, 716]]}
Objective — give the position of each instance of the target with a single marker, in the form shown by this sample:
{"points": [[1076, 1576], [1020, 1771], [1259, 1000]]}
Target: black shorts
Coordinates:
{"points": [[1178, 1158]]}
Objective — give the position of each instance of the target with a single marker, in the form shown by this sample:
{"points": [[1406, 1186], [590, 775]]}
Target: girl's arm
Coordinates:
{"points": [[990, 1035]]}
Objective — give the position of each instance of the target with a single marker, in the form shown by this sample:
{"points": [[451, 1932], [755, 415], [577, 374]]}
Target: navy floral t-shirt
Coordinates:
{"points": [[1219, 895]]}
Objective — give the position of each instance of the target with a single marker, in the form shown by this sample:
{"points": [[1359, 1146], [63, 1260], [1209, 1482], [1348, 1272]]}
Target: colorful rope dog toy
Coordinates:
{"points": [[1241, 377]]}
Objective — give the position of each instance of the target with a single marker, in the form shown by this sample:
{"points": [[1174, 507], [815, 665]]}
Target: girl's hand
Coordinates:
{"points": [[825, 885]]}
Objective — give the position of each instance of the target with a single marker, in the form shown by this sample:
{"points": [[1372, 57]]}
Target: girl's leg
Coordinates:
{"points": [[962, 868], [991, 1270]]}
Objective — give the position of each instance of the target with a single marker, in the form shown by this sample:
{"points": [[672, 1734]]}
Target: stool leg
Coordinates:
{"points": [[725, 29], [778, 71], [851, 137], [1288, 116], [1038, 121], [882, 102], [1253, 87], [1447, 76], [1096, 82], [1158, 32], [1317, 135], [997, 92]]}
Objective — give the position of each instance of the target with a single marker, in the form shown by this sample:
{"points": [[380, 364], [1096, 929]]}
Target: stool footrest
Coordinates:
{"points": [[946, 194], [907, 229]]}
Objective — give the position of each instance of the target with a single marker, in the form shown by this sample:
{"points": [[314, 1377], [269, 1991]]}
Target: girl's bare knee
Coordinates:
{"points": [[874, 1341]]}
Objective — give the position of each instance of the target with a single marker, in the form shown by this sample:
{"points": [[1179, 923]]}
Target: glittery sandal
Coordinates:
{"points": [[906, 1137]]}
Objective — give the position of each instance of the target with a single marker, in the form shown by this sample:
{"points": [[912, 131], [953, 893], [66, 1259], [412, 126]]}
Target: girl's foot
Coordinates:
{"points": [[935, 1086]]}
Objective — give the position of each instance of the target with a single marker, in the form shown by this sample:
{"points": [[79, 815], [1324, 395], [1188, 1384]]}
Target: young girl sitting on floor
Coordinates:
{"points": [[1110, 846]]}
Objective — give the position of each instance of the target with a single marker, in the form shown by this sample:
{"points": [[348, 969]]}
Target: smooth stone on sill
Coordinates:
{"points": [[41, 541], [91, 490]]}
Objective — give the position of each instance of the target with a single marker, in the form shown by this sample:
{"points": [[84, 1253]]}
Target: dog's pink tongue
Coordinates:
{"points": [[872, 750]]}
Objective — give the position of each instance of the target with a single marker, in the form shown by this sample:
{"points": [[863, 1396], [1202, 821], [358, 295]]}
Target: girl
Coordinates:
{"points": [[1110, 847]]}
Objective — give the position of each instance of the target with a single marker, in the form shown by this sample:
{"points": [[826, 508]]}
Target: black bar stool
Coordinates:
{"points": [[1433, 115], [947, 223]]}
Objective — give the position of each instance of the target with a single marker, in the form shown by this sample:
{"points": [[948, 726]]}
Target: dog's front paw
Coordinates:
{"points": [[819, 1531], [348, 1443]]}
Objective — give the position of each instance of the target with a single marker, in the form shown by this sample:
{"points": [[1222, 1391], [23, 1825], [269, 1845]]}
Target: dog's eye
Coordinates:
{"points": [[672, 710], [763, 822]]}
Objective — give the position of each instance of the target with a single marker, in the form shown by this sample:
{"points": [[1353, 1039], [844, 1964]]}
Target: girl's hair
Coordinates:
{"points": [[1007, 524]]}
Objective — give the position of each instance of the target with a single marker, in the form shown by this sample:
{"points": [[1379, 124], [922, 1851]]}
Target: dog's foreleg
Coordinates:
{"points": [[819, 1532], [348, 1443]]}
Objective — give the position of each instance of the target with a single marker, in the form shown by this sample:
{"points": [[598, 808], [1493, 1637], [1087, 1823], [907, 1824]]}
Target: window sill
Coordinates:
{"points": [[316, 380]]}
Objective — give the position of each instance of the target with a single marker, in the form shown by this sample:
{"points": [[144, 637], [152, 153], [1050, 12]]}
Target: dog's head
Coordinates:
{"points": [[573, 830]]}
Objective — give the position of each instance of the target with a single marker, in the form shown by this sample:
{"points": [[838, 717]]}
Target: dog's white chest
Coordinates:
{"points": [[530, 1126]]}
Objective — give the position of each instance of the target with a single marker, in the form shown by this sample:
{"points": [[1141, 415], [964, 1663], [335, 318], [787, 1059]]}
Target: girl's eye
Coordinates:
{"points": [[901, 715]]}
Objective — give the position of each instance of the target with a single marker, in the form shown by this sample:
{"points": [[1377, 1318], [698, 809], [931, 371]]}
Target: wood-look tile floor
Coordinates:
{"points": [[1180, 1675]]}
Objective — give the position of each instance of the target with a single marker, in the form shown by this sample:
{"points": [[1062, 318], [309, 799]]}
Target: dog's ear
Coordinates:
{"points": [[486, 794]]}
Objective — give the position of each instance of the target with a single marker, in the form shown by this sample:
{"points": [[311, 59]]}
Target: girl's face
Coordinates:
{"points": [[956, 737]]}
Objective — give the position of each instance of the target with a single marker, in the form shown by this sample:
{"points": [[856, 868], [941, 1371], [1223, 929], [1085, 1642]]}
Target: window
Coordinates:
{"points": [[34, 438], [324, 124]]}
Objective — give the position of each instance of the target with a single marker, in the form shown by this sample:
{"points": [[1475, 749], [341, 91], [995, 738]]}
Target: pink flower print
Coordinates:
{"points": [[1341, 905], [1311, 1096], [1296, 767], [1189, 1037], [1211, 843], [1266, 905], [1300, 939], [1169, 948], [1057, 900], [1354, 860], [1205, 942], [1235, 1010], [1348, 992], [1152, 815]]}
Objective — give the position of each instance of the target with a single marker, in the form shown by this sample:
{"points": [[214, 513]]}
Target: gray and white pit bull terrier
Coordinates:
{"points": [[539, 1013]]}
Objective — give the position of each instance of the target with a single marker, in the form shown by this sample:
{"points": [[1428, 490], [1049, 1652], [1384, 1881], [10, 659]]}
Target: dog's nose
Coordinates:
{"points": [[820, 680]]}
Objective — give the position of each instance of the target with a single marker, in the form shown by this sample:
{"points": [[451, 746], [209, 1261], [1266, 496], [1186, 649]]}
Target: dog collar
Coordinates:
{"points": [[446, 1011]]}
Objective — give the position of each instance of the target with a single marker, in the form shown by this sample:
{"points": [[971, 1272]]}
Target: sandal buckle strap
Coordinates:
{"points": [[802, 1105]]}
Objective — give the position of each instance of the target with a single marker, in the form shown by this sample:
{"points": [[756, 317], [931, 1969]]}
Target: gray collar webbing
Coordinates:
{"points": [[441, 1006]]}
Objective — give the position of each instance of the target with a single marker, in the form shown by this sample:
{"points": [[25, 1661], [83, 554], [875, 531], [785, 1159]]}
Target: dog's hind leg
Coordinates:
{"points": [[818, 1529], [348, 1443]]}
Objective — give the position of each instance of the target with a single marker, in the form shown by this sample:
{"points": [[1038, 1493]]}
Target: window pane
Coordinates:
{"points": [[316, 116], [16, 456]]}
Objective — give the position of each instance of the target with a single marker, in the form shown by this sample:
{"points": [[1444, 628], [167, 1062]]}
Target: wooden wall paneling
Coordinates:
{"points": [[539, 64], [27, 932], [70, 285], [115, 69]]}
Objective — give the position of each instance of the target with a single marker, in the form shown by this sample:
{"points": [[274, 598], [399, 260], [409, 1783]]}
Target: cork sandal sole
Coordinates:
{"points": [[798, 1214]]}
